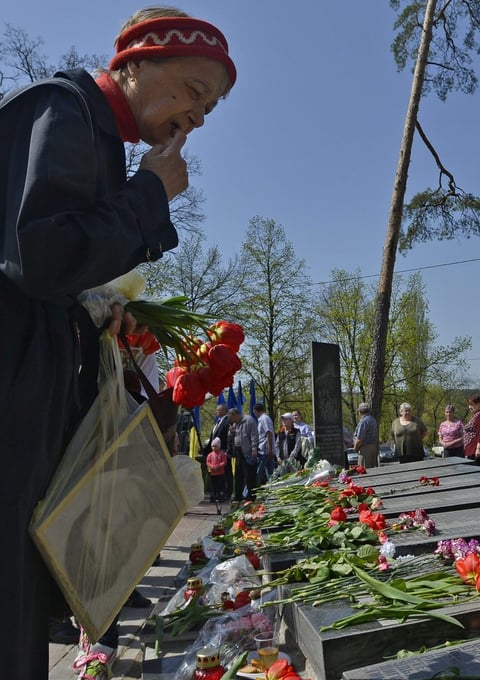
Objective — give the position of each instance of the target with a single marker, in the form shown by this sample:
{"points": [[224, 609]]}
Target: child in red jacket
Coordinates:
{"points": [[216, 462]]}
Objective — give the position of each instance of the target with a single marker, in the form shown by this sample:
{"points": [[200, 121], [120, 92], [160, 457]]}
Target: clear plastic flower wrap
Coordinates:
{"points": [[232, 576], [212, 548], [231, 634], [112, 503], [98, 302], [177, 601]]}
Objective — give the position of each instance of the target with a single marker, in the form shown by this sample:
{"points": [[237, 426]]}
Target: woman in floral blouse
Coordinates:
{"points": [[471, 435], [450, 433]]}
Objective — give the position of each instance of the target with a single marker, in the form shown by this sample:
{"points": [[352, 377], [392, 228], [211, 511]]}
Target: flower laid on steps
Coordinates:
{"points": [[96, 664]]}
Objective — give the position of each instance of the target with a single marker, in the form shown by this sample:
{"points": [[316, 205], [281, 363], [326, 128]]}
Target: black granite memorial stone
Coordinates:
{"points": [[327, 402]]}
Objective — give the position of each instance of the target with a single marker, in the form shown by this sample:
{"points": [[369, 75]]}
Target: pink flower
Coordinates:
{"points": [[383, 563]]}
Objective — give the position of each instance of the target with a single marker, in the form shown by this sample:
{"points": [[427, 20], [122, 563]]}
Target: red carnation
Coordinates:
{"points": [[375, 521], [338, 515], [253, 559]]}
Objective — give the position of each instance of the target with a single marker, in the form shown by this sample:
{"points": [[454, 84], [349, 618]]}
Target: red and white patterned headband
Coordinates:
{"points": [[173, 37]]}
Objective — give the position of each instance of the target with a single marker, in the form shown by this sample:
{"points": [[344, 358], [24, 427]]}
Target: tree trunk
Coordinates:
{"points": [[382, 305]]}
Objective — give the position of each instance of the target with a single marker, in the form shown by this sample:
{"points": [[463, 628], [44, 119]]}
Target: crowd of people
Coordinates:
{"points": [[408, 433], [251, 441], [455, 437]]}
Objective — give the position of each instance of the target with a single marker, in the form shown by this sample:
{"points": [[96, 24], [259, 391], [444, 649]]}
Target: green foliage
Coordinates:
{"points": [[276, 316], [444, 212], [416, 368], [439, 214], [455, 28]]}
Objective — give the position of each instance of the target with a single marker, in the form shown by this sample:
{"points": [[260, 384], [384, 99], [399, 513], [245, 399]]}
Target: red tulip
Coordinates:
{"points": [[223, 360], [188, 390], [468, 568], [226, 333], [212, 381], [190, 353], [239, 525], [147, 341], [173, 374], [277, 670]]}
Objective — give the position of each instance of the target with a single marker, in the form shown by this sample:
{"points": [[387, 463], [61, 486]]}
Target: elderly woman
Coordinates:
{"points": [[289, 440], [450, 433], [471, 434], [70, 221], [408, 432]]}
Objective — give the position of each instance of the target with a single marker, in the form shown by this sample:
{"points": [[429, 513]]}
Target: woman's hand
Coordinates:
{"points": [[168, 164], [125, 320]]}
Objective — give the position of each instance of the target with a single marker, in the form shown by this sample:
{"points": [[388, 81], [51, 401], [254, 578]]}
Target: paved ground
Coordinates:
{"points": [[158, 584]]}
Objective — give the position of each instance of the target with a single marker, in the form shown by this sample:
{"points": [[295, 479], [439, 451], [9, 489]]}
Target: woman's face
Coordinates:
{"points": [[406, 413], [173, 93], [474, 407], [449, 415]]}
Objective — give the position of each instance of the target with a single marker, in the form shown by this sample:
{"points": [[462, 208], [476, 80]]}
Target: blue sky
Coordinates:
{"points": [[310, 135]]}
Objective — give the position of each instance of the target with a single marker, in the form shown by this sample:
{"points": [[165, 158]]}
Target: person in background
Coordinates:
{"points": [[347, 444], [450, 433], [266, 444], [71, 221], [289, 440], [408, 433], [244, 437], [216, 462], [365, 438], [305, 430], [220, 429], [471, 433]]}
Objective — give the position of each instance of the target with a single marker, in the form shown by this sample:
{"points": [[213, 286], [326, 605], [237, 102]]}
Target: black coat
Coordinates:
{"points": [[69, 221], [219, 430]]}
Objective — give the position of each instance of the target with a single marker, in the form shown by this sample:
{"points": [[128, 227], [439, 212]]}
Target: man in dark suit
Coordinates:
{"points": [[220, 429]]}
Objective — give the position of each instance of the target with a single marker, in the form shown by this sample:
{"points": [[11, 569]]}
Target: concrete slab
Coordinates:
{"points": [[463, 659], [331, 653]]}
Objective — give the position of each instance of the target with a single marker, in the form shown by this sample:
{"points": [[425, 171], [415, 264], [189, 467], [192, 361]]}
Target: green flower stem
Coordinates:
{"points": [[235, 666], [169, 320], [401, 613]]}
